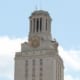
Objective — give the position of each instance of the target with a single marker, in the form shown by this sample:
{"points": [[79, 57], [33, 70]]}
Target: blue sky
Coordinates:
{"points": [[14, 21], [14, 24]]}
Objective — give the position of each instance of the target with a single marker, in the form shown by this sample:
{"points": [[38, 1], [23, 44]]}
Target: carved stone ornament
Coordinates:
{"points": [[34, 41]]}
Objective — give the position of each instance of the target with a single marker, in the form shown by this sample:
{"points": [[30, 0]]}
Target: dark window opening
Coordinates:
{"points": [[34, 25], [26, 69], [37, 28], [33, 61], [31, 25], [41, 62], [40, 24], [46, 24]]}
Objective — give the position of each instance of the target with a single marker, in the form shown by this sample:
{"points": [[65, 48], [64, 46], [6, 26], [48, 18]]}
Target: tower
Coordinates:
{"points": [[40, 24], [39, 58]]}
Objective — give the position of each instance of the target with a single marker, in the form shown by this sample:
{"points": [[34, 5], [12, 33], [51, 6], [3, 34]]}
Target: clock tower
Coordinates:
{"points": [[39, 58]]}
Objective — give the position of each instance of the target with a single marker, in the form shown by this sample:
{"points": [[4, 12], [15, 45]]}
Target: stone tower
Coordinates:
{"points": [[39, 58]]}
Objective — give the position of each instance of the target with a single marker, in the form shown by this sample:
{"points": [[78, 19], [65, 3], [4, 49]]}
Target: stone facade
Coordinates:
{"points": [[39, 58]]}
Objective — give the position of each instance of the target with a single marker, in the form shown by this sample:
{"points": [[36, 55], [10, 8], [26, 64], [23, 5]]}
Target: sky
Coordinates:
{"points": [[14, 29]]}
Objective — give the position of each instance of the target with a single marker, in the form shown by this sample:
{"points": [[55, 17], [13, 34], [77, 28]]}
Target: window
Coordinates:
{"points": [[26, 62], [33, 79], [26, 69], [33, 69], [33, 62], [41, 69], [40, 78], [34, 25], [37, 28], [33, 75], [41, 62], [40, 24], [41, 74], [31, 25], [46, 24]]}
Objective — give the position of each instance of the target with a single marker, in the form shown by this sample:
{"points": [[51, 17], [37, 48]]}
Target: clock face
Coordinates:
{"points": [[35, 41]]}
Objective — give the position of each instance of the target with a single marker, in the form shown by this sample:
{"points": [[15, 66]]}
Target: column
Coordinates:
{"points": [[39, 25]]}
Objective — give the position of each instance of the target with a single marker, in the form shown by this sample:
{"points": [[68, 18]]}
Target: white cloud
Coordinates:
{"points": [[9, 46], [71, 58], [70, 77]]}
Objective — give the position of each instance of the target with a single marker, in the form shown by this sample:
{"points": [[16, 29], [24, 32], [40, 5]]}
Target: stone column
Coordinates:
{"points": [[39, 24]]}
